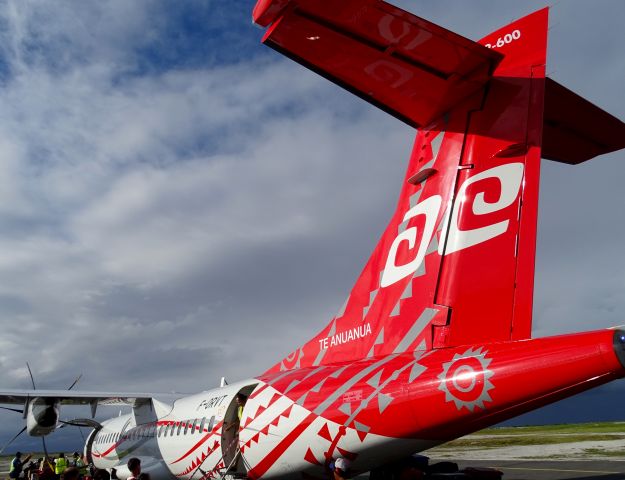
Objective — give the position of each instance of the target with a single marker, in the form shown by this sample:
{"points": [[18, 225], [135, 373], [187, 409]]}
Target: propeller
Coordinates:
{"points": [[43, 438]]}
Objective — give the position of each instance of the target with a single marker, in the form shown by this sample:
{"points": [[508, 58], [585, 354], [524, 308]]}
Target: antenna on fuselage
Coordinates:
{"points": [[223, 382]]}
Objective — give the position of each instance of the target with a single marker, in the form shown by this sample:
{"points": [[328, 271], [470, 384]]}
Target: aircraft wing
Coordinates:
{"points": [[70, 397]]}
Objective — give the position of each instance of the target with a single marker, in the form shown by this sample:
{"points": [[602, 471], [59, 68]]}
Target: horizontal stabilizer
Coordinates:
{"points": [[575, 130], [407, 66]]}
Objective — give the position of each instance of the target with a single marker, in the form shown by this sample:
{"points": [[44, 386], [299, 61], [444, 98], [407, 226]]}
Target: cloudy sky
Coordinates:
{"points": [[179, 203]]}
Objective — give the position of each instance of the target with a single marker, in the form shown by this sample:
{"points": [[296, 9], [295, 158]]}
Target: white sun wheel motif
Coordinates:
{"points": [[465, 379]]}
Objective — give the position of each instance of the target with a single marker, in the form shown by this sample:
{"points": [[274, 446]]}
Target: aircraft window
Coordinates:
{"points": [[179, 428], [202, 424], [186, 427], [193, 430], [173, 428], [211, 424]]}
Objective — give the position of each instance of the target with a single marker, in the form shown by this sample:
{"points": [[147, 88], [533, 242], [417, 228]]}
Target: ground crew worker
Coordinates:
{"points": [[17, 464], [240, 399], [60, 465], [80, 465]]}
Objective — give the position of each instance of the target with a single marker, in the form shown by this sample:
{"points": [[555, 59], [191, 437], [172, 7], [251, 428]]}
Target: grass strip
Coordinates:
{"points": [[517, 441]]}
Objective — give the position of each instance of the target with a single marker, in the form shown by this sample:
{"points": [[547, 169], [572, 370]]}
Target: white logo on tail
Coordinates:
{"points": [[510, 177], [393, 272]]}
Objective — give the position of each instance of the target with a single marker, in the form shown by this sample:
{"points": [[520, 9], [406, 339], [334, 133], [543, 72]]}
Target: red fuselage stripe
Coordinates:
{"points": [[202, 440], [266, 463]]}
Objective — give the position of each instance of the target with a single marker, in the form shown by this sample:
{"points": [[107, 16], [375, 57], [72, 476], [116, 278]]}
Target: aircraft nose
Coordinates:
{"points": [[619, 346]]}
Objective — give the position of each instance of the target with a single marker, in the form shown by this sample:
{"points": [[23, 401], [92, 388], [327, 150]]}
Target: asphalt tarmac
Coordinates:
{"points": [[554, 470], [517, 469]]}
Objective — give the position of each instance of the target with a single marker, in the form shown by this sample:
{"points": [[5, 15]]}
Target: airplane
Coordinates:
{"points": [[434, 341]]}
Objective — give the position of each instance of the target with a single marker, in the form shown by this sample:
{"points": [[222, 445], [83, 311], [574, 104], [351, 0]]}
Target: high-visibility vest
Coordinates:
{"points": [[60, 464], [80, 465], [14, 468]]}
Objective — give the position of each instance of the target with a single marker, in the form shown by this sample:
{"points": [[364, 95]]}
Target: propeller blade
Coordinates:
{"points": [[11, 441], [18, 410], [31, 376], [81, 422], [75, 382], [45, 450]]}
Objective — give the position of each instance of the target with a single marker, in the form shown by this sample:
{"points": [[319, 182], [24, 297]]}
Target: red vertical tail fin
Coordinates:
{"points": [[455, 265]]}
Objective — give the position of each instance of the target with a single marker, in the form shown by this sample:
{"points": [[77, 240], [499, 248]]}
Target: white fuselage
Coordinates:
{"points": [[164, 437]]}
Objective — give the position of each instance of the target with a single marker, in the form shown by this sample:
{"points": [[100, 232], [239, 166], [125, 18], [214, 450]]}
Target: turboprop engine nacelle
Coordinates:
{"points": [[42, 416]]}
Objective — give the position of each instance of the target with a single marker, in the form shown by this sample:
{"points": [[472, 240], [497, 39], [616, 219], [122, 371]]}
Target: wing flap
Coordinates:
{"points": [[576, 130], [407, 66]]}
